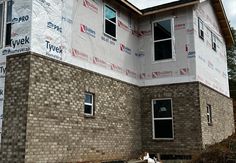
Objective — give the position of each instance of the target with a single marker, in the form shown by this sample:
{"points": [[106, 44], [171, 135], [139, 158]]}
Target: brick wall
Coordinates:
{"points": [[222, 116], [186, 113], [44, 119], [15, 110], [57, 130]]}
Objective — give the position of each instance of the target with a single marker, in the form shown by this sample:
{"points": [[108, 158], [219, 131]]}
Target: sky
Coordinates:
{"points": [[229, 5]]}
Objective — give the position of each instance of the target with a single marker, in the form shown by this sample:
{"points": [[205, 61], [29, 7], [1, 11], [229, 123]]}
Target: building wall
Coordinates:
{"points": [[211, 65], [222, 116], [20, 40], [186, 113], [73, 32], [182, 66], [57, 130], [81, 39], [16, 106]]}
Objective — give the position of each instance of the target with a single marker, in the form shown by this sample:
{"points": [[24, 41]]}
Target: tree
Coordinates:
{"points": [[231, 59]]}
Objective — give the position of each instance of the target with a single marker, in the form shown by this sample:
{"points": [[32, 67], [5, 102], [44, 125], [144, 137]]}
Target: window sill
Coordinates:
{"points": [[89, 116], [163, 139], [110, 37], [210, 124], [202, 38], [164, 61]]}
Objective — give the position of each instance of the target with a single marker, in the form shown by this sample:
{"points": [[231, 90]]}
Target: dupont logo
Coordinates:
{"points": [[90, 5], [54, 27], [87, 30], [125, 49]]}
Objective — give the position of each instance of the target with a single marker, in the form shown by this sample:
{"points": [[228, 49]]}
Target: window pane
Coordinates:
{"points": [[8, 34], [88, 98], [163, 129], [110, 28], [162, 109], [163, 50], [110, 14], [162, 30], [1, 23], [9, 11], [87, 109]]}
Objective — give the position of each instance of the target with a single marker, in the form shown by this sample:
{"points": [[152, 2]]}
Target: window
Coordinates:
{"points": [[8, 23], [5, 22], [162, 119], [201, 28], [1, 23], [162, 40], [88, 104], [109, 21], [213, 39], [209, 114]]}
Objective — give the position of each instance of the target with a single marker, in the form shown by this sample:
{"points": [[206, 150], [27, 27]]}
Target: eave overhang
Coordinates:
{"points": [[223, 22]]}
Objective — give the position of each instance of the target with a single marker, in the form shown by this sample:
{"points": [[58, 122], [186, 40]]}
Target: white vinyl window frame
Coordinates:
{"points": [[5, 22], [172, 38], [104, 21], [214, 41], [200, 28], [89, 104], [209, 114], [156, 119], [2, 25]]}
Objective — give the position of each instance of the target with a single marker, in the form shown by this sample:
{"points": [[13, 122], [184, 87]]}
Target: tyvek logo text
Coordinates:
{"points": [[19, 42], [53, 48]]}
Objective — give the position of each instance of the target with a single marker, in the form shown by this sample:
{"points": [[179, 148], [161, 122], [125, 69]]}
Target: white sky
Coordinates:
{"points": [[229, 5]]}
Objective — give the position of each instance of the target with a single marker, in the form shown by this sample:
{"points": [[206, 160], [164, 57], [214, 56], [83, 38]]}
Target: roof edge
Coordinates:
{"points": [[229, 39], [167, 7]]}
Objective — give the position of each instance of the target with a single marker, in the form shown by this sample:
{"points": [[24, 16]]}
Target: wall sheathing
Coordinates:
{"points": [[182, 67], [211, 65]]}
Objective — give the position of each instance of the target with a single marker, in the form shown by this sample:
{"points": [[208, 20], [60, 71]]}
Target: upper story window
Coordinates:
{"points": [[110, 20], [5, 22], [213, 39], [201, 28], [88, 104], [163, 37], [162, 118]]}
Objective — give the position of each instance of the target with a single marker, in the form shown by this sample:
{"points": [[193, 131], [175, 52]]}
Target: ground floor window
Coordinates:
{"points": [[89, 104], [209, 115], [162, 119]]}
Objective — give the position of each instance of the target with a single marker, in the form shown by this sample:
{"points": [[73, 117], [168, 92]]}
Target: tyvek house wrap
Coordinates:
{"points": [[20, 41], [81, 41], [211, 65], [72, 31]]}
